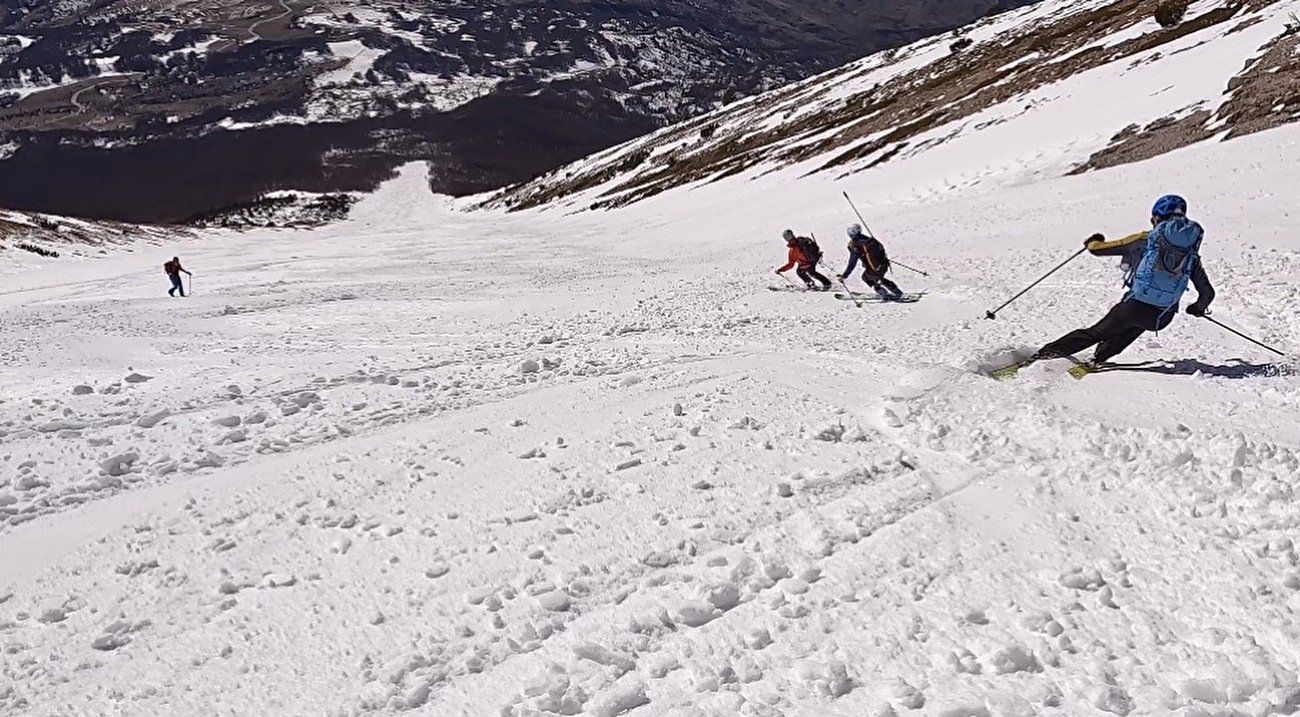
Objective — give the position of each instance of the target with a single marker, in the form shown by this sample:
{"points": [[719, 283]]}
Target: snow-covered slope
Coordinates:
{"points": [[516, 465], [448, 462], [51, 236]]}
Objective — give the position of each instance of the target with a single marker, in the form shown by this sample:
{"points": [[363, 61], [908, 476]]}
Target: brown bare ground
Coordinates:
{"points": [[1267, 94]]}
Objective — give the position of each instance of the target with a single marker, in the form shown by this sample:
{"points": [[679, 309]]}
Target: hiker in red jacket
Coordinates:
{"points": [[805, 254], [173, 271]]}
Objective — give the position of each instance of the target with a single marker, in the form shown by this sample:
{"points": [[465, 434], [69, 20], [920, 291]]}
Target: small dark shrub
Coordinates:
{"points": [[50, 253], [961, 44], [1170, 12], [634, 160]]}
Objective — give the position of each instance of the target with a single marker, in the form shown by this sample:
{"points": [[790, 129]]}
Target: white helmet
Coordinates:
{"points": [[855, 230], [787, 234]]}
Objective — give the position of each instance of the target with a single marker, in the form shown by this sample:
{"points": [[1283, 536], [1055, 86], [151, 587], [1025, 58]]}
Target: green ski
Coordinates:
{"points": [[1078, 368], [1082, 368], [1010, 370]]}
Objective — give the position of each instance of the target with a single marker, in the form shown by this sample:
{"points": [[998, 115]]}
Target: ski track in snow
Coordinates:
{"points": [[526, 465]]}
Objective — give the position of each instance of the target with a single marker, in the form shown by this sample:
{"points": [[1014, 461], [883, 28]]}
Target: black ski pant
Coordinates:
{"points": [[1114, 333], [809, 273], [176, 285], [878, 281]]}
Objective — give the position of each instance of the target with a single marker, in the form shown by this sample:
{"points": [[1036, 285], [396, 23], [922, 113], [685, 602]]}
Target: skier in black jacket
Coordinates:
{"points": [[874, 263]]}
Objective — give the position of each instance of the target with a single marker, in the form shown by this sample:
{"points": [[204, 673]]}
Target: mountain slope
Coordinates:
{"points": [[1018, 104], [164, 110], [444, 461]]}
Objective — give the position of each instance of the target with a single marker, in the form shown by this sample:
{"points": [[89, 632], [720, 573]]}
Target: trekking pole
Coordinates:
{"points": [[1260, 344], [992, 314], [855, 211], [871, 233], [821, 260], [905, 266], [849, 291]]}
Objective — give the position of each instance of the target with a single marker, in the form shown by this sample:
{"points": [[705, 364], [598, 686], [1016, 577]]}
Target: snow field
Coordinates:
{"points": [[451, 463]]}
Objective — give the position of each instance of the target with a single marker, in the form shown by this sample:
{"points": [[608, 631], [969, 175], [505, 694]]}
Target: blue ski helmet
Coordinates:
{"points": [[1169, 205]]}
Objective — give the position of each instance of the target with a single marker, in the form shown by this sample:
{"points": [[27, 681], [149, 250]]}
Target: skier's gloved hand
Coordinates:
{"points": [[1196, 309], [1095, 237]]}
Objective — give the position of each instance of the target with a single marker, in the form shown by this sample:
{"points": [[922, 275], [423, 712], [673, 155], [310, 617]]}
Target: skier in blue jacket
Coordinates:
{"points": [[874, 263], [1159, 264]]}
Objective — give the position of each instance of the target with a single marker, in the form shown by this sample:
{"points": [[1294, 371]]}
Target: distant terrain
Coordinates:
{"points": [[164, 111]]}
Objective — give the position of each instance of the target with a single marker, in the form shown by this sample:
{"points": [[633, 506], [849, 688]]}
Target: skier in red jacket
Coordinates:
{"points": [[804, 253], [173, 271]]}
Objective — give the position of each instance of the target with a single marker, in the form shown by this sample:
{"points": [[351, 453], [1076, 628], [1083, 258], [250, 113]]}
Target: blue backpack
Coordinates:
{"points": [[1166, 265]]}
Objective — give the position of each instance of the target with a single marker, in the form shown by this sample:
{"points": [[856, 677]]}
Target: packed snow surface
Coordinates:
{"points": [[466, 463]]}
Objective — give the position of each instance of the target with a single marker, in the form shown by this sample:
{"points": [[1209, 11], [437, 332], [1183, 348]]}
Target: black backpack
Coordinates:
{"points": [[811, 251], [873, 253]]}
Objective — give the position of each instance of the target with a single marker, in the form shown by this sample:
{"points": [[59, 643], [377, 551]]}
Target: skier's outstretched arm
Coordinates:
{"points": [[791, 260], [853, 261], [1098, 246]]}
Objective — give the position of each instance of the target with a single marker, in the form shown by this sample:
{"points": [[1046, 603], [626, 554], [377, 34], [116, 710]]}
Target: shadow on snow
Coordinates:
{"points": [[1235, 368]]}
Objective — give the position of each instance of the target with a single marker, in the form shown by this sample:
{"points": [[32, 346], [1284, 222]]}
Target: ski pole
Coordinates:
{"points": [[993, 314], [905, 266], [849, 291], [1207, 317], [871, 233], [821, 260], [783, 276], [855, 211]]}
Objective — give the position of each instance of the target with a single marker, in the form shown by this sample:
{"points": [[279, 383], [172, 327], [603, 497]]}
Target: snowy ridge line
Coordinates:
{"points": [[31, 234], [953, 111]]}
